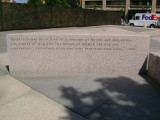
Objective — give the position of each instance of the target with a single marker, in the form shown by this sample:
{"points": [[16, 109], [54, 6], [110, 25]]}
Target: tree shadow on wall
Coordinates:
{"points": [[120, 98]]}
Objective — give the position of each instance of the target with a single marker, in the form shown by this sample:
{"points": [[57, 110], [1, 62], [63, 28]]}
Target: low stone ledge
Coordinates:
{"points": [[154, 66]]}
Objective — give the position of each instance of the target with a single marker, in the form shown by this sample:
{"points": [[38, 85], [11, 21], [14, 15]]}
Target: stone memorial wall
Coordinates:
{"points": [[43, 16], [75, 52]]}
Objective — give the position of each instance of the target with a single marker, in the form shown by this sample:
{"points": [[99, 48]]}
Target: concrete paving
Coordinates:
{"points": [[2, 72], [100, 97], [65, 97], [20, 102], [4, 62]]}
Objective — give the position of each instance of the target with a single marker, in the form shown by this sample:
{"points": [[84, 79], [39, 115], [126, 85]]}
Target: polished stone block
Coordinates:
{"points": [[77, 51]]}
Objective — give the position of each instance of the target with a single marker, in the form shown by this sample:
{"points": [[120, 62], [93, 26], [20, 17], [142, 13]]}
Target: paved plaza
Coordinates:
{"points": [[78, 97]]}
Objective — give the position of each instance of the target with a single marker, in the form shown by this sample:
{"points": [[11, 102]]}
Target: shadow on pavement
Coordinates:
{"points": [[121, 99]]}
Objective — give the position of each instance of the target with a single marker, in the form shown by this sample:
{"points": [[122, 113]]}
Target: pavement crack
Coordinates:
{"points": [[97, 107]]}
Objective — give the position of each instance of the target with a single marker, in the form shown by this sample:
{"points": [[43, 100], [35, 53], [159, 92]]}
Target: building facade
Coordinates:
{"points": [[152, 6]]}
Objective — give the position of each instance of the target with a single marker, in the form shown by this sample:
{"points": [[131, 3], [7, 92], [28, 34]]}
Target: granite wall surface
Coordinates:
{"points": [[19, 16], [23, 16], [0, 16], [95, 17], [83, 50], [67, 17], [113, 18], [154, 66]]}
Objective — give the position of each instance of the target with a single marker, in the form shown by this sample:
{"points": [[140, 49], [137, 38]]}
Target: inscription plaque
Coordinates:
{"points": [[76, 53]]}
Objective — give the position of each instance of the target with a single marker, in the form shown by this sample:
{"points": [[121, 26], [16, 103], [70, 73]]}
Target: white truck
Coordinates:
{"points": [[144, 19]]}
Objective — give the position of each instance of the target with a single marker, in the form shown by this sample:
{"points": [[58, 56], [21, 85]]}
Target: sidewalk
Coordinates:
{"points": [[20, 102]]}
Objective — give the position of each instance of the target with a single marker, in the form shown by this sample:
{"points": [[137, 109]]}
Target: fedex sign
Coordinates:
{"points": [[151, 17]]}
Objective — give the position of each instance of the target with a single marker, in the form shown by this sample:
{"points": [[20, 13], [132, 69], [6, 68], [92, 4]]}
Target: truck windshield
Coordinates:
{"points": [[133, 18], [137, 17]]}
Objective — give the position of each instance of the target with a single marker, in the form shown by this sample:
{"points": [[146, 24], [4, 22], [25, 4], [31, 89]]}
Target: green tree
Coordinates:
{"points": [[56, 3], [34, 2], [61, 3], [122, 13], [95, 6]]}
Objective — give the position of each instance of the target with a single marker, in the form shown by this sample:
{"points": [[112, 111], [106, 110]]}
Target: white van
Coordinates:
{"points": [[144, 19], [158, 23]]}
